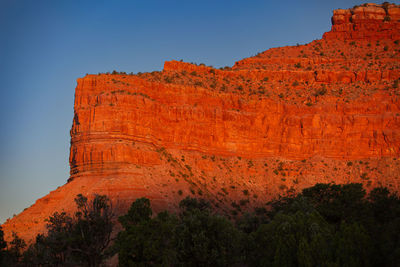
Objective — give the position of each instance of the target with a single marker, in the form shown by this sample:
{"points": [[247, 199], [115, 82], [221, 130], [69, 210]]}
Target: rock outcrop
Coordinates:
{"points": [[368, 21], [327, 111]]}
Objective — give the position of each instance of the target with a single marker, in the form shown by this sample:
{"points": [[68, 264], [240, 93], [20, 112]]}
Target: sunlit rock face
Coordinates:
{"points": [[285, 119], [368, 21]]}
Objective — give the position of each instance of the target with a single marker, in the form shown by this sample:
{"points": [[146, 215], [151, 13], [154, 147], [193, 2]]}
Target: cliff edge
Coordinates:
{"points": [[283, 120]]}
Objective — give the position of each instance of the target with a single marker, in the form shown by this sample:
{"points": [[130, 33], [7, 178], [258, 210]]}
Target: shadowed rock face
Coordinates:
{"points": [[327, 111]]}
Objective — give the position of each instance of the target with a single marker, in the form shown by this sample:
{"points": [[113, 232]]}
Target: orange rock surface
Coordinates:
{"points": [[368, 21], [327, 111]]}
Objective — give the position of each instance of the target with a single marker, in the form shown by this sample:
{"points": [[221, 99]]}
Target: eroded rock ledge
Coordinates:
{"points": [[285, 119]]}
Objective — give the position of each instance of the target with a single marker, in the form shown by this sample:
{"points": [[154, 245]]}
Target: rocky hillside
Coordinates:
{"points": [[285, 119]]}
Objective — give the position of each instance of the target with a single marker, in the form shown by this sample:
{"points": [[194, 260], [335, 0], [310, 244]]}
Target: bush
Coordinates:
{"points": [[195, 237], [320, 92], [396, 84], [324, 225], [78, 240], [3, 245]]}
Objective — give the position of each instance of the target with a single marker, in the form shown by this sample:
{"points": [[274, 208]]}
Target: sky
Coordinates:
{"points": [[46, 45]]}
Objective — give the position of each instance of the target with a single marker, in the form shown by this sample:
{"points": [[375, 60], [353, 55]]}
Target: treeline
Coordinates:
{"points": [[80, 240], [325, 225]]}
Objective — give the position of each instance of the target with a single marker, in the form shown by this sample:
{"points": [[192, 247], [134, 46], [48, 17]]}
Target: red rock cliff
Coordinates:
{"points": [[327, 111], [368, 21]]}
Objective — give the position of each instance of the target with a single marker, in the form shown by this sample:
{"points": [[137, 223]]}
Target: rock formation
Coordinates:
{"points": [[368, 21], [285, 119]]}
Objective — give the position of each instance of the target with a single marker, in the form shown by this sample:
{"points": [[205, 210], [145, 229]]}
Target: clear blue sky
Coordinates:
{"points": [[46, 45]]}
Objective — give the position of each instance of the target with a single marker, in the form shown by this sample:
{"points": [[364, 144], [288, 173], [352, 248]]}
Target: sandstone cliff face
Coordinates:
{"points": [[327, 111], [109, 121], [368, 21]]}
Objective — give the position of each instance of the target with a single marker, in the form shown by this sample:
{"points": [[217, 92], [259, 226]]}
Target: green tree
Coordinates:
{"points": [[298, 236], [3, 246], [353, 246], [140, 210], [189, 205], [205, 239], [338, 202], [78, 240], [194, 238], [38, 254], [15, 250], [325, 225], [385, 228], [91, 232], [54, 248], [149, 241], [58, 240], [384, 205]]}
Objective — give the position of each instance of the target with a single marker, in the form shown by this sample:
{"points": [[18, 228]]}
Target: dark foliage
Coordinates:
{"points": [[194, 238], [3, 245], [365, 230], [325, 225], [80, 240]]}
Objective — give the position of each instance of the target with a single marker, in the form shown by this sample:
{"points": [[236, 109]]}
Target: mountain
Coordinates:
{"points": [[283, 120]]}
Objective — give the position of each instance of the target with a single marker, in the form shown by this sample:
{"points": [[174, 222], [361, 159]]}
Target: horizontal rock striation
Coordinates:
{"points": [[109, 120], [368, 21], [272, 124]]}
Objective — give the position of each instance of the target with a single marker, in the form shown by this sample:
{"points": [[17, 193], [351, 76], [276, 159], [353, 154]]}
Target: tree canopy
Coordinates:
{"points": [[324, 225]]}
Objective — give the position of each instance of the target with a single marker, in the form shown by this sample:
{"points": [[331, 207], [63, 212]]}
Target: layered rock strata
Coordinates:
{"points": [[368, 21], [285, 119]]}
